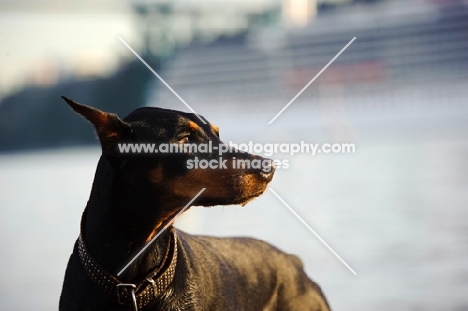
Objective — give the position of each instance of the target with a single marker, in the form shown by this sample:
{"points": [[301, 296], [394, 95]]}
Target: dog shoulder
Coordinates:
{"points": [[247, 256], [232, 262]]}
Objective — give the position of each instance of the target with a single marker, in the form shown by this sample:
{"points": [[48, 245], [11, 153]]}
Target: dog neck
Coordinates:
{"points": [[119, 220]]}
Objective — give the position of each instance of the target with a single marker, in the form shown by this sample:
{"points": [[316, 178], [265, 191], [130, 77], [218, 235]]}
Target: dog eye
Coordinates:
{"points": [[184, 140]]}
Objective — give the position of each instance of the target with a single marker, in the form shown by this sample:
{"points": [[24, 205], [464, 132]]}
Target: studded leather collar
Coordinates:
{"points": [[137, 295]]}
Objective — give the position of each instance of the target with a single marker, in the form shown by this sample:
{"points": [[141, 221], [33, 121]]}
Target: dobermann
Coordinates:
{"points": [[134, 196]]}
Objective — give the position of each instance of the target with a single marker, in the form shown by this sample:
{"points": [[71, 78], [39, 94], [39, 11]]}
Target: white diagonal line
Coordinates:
{"points": [[310, 82], [313, 231], [162, 80], [159, 233]]}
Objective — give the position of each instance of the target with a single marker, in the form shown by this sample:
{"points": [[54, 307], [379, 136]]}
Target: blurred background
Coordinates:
{"points": [[396, 210]]}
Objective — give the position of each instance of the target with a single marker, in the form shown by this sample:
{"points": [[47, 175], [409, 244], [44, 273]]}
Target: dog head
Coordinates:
{"points": [[173, 155]]}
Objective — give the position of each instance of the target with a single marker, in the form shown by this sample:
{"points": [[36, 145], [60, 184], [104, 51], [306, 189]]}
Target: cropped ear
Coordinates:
{"points": [[109, 127]]}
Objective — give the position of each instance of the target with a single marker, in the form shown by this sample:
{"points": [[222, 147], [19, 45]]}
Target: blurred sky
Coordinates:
{"points": [[43, 40], [52, 38]]}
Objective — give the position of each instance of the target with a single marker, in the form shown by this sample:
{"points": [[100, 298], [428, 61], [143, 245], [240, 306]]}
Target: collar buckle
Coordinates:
{"points": [[122, 290]]}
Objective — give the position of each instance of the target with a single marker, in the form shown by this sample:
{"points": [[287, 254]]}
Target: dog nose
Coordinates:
{"points": [[268, 170]]}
